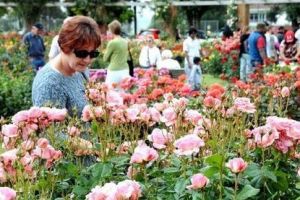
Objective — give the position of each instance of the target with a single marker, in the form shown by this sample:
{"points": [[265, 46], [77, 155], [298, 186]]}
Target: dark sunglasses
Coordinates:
{"points": [[85, 53]]}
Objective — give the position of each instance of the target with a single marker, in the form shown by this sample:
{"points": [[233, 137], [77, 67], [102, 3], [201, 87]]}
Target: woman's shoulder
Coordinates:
{"points": [[47, 76]]}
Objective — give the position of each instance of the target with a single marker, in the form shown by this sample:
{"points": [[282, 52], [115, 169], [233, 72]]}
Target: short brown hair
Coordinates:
{"points": [[77, 32], [261, 27], [115, 27]]}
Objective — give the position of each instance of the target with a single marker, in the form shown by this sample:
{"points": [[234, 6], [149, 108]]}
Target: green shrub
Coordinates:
{"points": [[15, 93]]}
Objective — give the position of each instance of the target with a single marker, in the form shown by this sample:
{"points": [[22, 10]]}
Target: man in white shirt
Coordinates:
{"points": [[297, 35], [167, 61], [150, 54], [272, 44], [191, 48]]}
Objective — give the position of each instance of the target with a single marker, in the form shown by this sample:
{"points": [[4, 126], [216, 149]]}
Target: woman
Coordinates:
{"points": [[117, 54], [289, 48], [61, 83], [150, 54]]}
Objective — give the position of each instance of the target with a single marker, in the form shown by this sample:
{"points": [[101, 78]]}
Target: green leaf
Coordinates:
{"points": [[268, 174], [214, 160], [247, 192], [180, 186], [210, 171], [253, 170], [171, 170], [79, 191], [64, 185], [282, 181], [298, 185]]}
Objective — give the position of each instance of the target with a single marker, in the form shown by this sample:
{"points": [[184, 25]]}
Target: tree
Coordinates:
{"points": [[29, 11], [100, 12], [292, 11]]}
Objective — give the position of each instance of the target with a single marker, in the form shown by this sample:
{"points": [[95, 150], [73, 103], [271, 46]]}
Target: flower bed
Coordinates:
{"points": [[153, 139]]}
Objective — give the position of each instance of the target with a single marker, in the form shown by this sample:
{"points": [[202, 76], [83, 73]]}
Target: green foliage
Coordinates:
{"points": [[102, 13], [15, 93], [15, 78]]}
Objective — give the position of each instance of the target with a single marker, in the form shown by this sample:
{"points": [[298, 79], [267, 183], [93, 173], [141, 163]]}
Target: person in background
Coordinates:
{"points": [[227, 33], [61, 83], [245, 62], [150, 54], [35, 46], [116, 54], [280, 34], [289, 47], [191, 48], [195, 78], [272, 44], [177, 35], [257, 46], [167, 61], [297, 34], [55, 49]]}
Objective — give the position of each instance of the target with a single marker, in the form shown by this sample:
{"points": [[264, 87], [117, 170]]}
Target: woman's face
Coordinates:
{"points": [[79, 59]]}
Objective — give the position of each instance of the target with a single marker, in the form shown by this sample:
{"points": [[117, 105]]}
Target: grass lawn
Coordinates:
{"points": [[209, 79]]}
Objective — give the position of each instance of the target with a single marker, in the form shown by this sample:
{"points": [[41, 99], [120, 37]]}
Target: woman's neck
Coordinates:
{"points": [[61, 65]]}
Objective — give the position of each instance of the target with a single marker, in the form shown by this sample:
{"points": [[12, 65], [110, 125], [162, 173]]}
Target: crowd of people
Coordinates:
{"points": [[61, 81], [263, 46]]}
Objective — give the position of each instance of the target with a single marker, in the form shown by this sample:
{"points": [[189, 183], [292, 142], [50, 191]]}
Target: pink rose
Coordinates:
{"points": [[194, 117], [10, 130], [188, 145], [237, 165], [94, 94], [169, 116], [243, 104], [20, 117], [212, 102], [73, 131], [294, 131], [114, 98], [143, 153], [9, 157], [132, 113], [198, 181], [7, 193], [34, 113], [128, 189], [55, 114], [42, 143], [87, 114], [155, 114], [106, 192], [285, 92], [160, 137]]}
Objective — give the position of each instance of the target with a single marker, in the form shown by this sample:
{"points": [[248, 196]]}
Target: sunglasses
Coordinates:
{"points": [[85, 53]]}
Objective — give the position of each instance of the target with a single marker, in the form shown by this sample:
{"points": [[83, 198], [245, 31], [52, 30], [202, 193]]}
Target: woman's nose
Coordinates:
{"points": [[87, 59]]}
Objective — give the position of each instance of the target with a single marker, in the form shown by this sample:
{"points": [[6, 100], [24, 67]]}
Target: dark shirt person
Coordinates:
{"points": [[257, 46], [280, 34], [35, 46]]}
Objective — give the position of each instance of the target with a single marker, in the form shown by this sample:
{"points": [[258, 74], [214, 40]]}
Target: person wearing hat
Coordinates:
{"points": [[289, 47], [35, 46]]}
